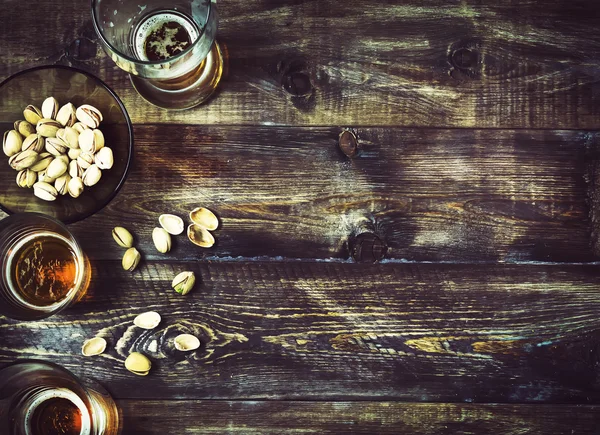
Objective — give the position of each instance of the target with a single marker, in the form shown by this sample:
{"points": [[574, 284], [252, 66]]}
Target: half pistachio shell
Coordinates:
{"points": [[186, 342], [205, 218], [93, 346], [200, 236], [138, 364], [149, 320], [172, 224]]}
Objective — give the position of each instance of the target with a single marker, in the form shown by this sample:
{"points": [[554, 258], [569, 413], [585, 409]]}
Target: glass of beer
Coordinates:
{"points": [[42, 398], [42, 267], [167, 47]]}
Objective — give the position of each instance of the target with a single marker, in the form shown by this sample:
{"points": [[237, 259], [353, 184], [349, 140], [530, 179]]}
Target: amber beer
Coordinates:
{"points": [[167, 33], [56, 411]]}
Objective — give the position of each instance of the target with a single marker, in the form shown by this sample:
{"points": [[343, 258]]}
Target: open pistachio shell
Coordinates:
{"points": [[200, 236], [138, 364], [149, 320], [205, 218], [172, 224], [186, 342], [93, 346]]}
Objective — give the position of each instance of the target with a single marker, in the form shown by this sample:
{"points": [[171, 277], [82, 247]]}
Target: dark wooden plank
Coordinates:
{"points": [[161, 417], [430, 195], [455, 333], [435, 63]]}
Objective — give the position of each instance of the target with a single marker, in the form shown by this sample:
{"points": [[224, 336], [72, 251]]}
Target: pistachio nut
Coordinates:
{"points": [[171, 223], [89, 115], [61, 184], [186, 342], [44, 191], [75, 170], [94, 346], [50, 108], [79, 127], [162, 240], [64, 158], [55, 146], [104, 158], [184, 282], [131, 259], [75, 187], [69, 136], [200, 236], [12, 143], [66, 115], [92, 175], [91, 141], [42, 163], [23, 160], [41, 176], [85, 160], [149, 320], [47, 127], [123, 237], [32, 114], [138, 364], [56, 168], [24, 128], [26, 178], [74, 153], [35, 142], [205, 218]]}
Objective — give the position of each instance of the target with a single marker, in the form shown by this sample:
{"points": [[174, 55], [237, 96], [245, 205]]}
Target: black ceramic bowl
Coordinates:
{"points": [[78, 87]]}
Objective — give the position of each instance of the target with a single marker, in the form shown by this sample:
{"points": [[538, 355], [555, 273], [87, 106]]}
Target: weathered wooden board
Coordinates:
{"points": [[209, 416], [455, 63], [430, 195], [457, 333]]}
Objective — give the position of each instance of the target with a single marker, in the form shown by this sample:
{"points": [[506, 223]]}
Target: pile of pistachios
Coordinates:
{"points": [[58, 150]]}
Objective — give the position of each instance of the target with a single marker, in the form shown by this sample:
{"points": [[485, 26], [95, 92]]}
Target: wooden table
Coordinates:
{"points": [[474, 182]]}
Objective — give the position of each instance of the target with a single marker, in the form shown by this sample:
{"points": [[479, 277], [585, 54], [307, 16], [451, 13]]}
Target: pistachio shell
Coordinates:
{"points": [[131, 259], [75, 170], [200, 236], [24, 128], [66, 115], [47, 127], [12, 143], [91, 176], [32, 114], [44, 159], [56, 168], [35, 142], [85, 160], [104, 158], [69, 136], [93, 346], [75, 187], [162, 240], [149, 320], [23, 160], [172, 224], [61, 184], [184, 282], [123, 237], [186, 342], [89, 116], [205, 218], [90, 141], [138, 364], [26, 178], [50, 108], [44, 191]]}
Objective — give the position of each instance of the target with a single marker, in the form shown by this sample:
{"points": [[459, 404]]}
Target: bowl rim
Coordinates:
{"points": [[101, 82]]}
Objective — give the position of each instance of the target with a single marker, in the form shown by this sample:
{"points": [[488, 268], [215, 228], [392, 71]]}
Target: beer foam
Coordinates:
{"points": [[153, 23], [57, 393]]}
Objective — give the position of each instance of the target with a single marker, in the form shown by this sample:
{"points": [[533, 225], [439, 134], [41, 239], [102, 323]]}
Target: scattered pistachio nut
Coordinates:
{"points": [[44, 191], [205, 218], [93, 346], [162, 240], [55, 146], [24, 128], [69, 136], [200, 236], [186, 342], [92, 175], [172, 224], [138, 364], [90, 141], [66, 115], [149, 320], [44, 160], [104, 158], [50, 108], [32, 114], [12, 143], [123, 237], [131, 259], [26, 178], [61, 184], [35, 142], [75, 187], [56, 168], [23, 160], [47, 127], [89, 116], [184, 282]]}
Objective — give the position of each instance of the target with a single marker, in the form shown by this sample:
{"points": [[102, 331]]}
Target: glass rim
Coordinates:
{"points": [[171, 59], [69, 220]]}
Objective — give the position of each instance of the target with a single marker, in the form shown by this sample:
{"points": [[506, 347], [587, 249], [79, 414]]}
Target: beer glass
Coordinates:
{"points": [[167, 47], [39, 398], [42, 267]]}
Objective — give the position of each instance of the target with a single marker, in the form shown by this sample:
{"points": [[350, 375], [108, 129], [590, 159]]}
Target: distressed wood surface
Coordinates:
{"points": [[218, 417], [311, 331], [459, 63]]}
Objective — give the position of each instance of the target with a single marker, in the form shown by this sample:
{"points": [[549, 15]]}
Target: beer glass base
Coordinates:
{"points": [[180, 94]]}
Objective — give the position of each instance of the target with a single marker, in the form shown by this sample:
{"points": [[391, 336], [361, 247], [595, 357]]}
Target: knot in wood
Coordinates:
{"points": [[297, 84], [465, 59], [368, 248], [348, 143]]}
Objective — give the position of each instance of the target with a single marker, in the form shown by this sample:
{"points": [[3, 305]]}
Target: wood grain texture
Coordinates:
{"points": [[456, 63], [430, 195], [226, 417], [334, 331]]}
